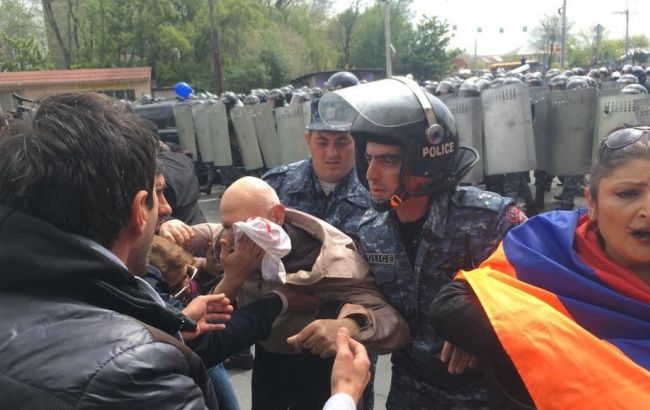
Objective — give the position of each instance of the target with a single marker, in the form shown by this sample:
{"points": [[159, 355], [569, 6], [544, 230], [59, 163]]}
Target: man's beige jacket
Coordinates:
{"points": [[339, 273]]}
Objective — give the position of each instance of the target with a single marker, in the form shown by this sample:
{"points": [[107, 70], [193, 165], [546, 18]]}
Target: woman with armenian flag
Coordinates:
{"points": [[559, 315]]}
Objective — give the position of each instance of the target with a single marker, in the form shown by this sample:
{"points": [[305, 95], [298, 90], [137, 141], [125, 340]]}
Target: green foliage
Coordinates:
{"points": [[427, 56], [22, 44], [262, 43], [21, 54], [367, 46], [583, 48]]}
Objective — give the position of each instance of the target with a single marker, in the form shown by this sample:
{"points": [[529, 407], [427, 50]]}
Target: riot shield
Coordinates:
{"points": [[185, 126], [220, 135], [539, 112], [291, 130], [571, 119], [509, 144], [468, 117], [203, 131], [642, 109], [614, 111], [246, 139], [267, 136], [611, 87]]}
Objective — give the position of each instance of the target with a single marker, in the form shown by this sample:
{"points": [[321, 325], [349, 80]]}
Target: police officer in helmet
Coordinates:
{"points": [[342, 79], [422, 226]]}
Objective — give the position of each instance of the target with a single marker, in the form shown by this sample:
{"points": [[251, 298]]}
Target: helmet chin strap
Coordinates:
{"points": [[383, 205]]}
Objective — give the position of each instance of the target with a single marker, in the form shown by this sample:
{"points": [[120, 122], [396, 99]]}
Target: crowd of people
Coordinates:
{"points": [[370, 246]]}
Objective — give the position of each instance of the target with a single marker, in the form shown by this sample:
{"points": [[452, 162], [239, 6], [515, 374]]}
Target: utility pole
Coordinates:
{"points": [[627, 27], [217, 78], [475, 51], [563, 34], [599, 36], [389, 67]]}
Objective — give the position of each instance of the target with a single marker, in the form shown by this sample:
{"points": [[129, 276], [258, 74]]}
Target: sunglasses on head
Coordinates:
{"points": [[624, 137]]}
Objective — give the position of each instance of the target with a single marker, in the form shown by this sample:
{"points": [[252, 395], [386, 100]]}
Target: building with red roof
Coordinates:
{"points": [[125, 83]]}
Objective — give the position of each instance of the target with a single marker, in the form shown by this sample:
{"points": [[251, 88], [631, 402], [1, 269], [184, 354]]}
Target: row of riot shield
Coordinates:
{"points": [[515, 128], [264, 137]]}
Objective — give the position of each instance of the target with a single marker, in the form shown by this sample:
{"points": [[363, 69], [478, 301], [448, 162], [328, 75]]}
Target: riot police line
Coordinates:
{"points": [[518, 128], [265, 137], [513, 127]]}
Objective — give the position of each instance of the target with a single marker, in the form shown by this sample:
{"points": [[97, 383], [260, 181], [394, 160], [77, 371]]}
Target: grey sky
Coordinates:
{"points": [[512, 15]]}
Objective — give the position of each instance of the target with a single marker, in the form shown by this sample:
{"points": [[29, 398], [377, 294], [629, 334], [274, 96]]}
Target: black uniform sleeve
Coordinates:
{"points": [[459, 318], [246, 326]]}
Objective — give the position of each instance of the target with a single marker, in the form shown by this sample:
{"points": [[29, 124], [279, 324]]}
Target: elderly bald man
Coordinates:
{"points": [[292, 368]]}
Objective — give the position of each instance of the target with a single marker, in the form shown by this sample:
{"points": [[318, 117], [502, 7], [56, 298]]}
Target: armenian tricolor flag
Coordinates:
{"points": [[576, 325]]}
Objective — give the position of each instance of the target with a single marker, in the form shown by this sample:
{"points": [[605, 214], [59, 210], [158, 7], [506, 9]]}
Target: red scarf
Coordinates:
{"points": [[615, 276]]}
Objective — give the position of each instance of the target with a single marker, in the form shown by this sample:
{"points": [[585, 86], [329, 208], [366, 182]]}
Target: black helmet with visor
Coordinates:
{"points": [[396, 111]]}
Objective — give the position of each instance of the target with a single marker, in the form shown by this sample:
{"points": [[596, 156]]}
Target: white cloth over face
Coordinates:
{"points": [[273, 240]]}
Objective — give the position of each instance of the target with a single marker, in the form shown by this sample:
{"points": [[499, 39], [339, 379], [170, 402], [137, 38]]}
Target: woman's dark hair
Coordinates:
{"points": [[608, 159], [77, 162]]}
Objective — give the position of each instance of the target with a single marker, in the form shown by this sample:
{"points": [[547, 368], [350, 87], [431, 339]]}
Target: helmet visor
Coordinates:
{"points": [[385, 103]]}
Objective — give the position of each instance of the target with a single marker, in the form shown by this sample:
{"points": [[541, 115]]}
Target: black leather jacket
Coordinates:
{"points": [[79, 331]]}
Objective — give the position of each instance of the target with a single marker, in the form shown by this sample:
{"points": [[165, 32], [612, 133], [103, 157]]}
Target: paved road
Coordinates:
{"points": [[241, 379]]}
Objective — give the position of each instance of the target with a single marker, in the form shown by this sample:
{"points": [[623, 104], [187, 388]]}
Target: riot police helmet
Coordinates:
{"points": [[590, 80], [445, 87], [469, 89], [603, 72], [576, 82], [342, 79], [456, 82], [627, 69], [315, 92], [634, 89], [483, 84], [251, 99], [593, 73], [261, 94], [430, 87], [578, 71], [276, 98], [639, 72], [518, 76], [395, 111], [533, 80], [202, 96], [615, 76], [628, 79], [497, 82], [299, 97], [558, 82], [511, 80], [146, 99], [288, 93], [229, 99], [552, 73]]}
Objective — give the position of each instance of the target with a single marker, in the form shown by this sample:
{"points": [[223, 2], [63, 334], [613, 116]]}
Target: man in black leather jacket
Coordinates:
{"points": [[77, 215]]}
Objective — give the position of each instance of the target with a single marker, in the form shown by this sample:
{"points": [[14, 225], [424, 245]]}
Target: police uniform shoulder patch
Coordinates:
{"points": [[471, 197]]}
